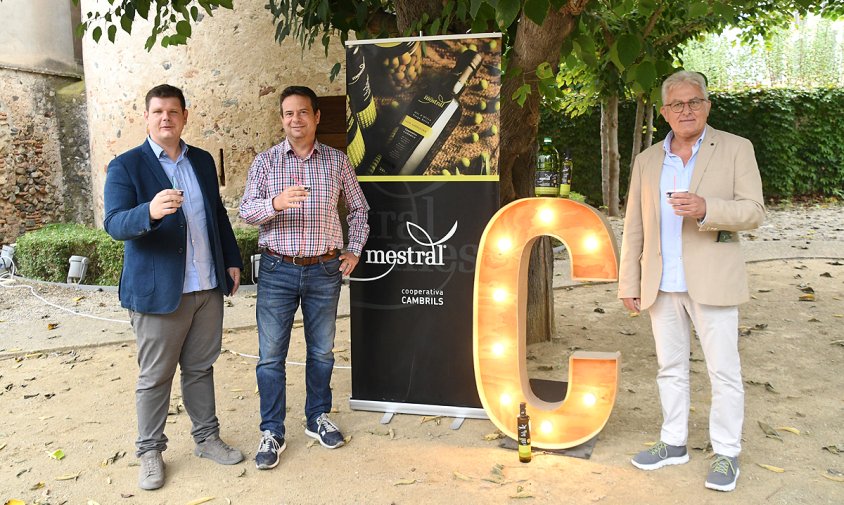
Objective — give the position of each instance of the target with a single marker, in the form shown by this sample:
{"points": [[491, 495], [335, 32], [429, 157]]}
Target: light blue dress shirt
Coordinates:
{"points": [[199, 264], [675, 175]]}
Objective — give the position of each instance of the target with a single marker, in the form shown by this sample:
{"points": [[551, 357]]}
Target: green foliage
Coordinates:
{"points": [[796, 135], [44, 253], [247, 242], [171, 19], [808, 53]]}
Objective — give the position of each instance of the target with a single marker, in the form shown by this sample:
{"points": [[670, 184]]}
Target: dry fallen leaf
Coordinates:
{"points": [[404, 482], [436, 419], [460, 476], [834, 475], [201, 500], [808, 297], [769, 431], [834, 449], [69, 476], [36, 486], [519, 496], [392, 434], [52, 326], [789, 429], [774, 469], [15, 501], [493, 436], [111, 459], [768, 385]]}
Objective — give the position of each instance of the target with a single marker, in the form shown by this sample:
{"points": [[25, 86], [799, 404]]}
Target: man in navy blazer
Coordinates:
{"points": [[180, 258]]}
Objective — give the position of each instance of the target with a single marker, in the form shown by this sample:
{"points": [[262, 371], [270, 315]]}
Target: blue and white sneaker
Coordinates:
{"points": [[269, 450], [324, 430]]}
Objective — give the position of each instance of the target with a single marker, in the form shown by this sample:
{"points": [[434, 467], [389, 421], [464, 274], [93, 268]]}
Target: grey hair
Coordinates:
{"points": [[684, 77]]}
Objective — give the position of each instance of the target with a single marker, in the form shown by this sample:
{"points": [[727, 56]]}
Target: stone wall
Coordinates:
{"points": [[75, 155], [232, 72], [32, 184]]}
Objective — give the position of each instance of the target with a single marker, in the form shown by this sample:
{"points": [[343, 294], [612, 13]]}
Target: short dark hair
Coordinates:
{"points": [[165, 91], [301, 91]]}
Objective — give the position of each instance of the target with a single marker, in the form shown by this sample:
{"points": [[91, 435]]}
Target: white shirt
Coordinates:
{"points": [[675, 175]]}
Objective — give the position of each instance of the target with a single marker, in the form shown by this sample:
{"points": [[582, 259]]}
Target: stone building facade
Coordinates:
{"points": [[232, 72], [44, 166], [58, 132]]}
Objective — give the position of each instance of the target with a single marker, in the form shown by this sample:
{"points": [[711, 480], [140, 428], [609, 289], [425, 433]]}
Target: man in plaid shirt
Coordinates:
{"points": [[292, 192]]}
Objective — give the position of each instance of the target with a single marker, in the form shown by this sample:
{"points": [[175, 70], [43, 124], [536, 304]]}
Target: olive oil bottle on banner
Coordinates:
{"points": [[523, 431], [355, 145], [565, 175], [359, 91], [546, 177], [428, 115]]}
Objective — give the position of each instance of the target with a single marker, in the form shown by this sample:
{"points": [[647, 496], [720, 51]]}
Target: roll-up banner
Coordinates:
{"points": [[423, 134]]}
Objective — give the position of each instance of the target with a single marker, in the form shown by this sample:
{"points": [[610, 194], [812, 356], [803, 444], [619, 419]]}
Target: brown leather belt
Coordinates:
{"points": [[303, 261]]}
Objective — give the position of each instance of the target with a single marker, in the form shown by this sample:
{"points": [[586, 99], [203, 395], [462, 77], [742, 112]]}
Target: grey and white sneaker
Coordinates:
{"points": [[660, 455], [218, 451], [723, 473], [152, 470]]}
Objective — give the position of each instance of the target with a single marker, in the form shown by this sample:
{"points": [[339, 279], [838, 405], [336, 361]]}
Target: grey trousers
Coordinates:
{"points": [[190, 337]]}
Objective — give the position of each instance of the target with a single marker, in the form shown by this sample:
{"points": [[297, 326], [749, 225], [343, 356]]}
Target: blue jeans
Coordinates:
{"points": [[282, 287]]}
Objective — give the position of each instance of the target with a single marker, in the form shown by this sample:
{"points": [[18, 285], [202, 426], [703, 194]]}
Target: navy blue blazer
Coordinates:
{"points": [[154, 252]]}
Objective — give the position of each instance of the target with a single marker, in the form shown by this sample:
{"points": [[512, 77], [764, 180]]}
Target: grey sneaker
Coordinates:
{"points": [[660, 455], [216, 450], [152, 471], [723, 473]]}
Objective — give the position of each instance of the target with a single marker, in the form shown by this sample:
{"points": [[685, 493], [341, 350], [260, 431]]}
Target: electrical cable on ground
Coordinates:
{"points": [[252, 356], [9, 282]]}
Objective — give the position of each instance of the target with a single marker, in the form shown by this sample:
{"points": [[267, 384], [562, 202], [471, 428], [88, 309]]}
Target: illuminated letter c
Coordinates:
{"points": [[500, 305]]}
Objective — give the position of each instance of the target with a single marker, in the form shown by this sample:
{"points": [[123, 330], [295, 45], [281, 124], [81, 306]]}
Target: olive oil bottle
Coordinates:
{"points": [[523, 431], [428, 115], [547, 173]]}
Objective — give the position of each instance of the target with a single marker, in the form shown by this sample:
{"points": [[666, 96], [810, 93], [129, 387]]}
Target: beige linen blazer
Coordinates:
{"points": [[726, 175]]}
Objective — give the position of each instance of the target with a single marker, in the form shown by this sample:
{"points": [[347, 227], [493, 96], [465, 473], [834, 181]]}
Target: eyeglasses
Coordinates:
{"points": [[695, 104]]}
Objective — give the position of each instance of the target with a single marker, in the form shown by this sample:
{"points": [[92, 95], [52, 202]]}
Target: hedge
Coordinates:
{"points": [[44, 253], [797, 135]]}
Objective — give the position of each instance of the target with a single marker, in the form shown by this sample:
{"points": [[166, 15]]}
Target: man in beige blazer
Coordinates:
{"points": [[680, 259]]}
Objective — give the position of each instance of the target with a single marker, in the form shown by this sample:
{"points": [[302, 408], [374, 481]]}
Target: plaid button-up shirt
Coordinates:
{"points": [[314, 228]]}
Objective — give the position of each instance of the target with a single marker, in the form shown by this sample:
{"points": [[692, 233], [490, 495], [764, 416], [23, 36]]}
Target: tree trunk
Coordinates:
{"points": [[605, 155], [638, 129], [533, 45], [649, 125], [614, 156]]}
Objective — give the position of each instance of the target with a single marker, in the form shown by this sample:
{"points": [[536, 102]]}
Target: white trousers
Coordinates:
{"points": [[717, 328]]}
